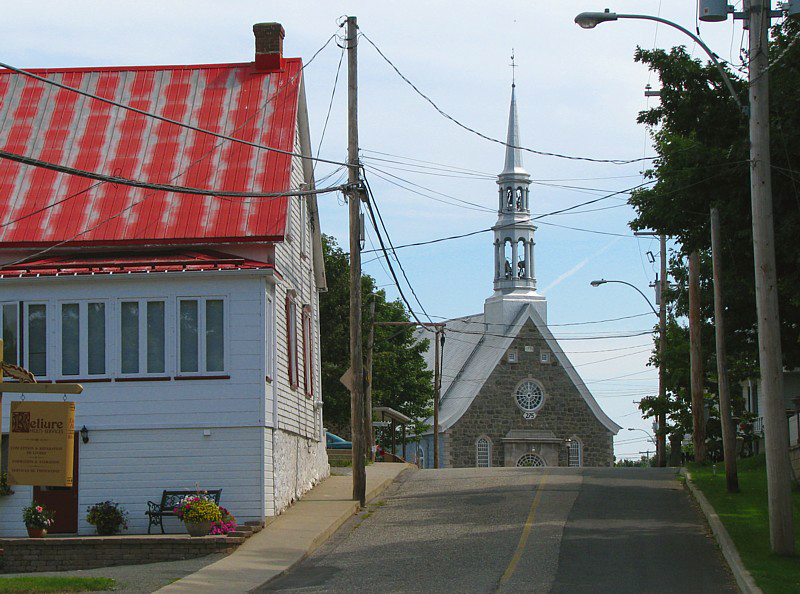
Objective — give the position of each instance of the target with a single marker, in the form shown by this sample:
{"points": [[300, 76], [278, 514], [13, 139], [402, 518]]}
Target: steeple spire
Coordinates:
{"points": [[513, 163]]}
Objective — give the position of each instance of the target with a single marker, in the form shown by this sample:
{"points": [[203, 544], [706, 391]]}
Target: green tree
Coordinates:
{"points": [[400, 379], [701, 139]]}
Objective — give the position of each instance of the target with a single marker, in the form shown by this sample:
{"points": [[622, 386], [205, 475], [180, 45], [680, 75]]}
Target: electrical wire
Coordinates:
{"points": [[489, 138], [171, 121]]}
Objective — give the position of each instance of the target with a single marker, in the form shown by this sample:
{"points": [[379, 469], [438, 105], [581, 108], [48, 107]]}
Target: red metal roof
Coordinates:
{"points": [[39, 207], [175, 261]]}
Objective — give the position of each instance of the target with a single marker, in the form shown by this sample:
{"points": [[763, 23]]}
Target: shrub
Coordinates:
{"points": [[37, 516], [197, 509]]}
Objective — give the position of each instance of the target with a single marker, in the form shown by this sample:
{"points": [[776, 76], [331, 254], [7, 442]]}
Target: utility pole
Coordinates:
{"points": [[725, 418], [661, 412], [776, 429], [354, 196], [437, 384], [695, 356], [368, 383], [661, 434]]}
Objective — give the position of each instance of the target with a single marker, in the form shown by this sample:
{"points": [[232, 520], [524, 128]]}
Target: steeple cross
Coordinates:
{"points": [[513, 66]]}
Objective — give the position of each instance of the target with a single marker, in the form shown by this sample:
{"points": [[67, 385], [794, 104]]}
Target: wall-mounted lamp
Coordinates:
{"points": [[84, 434]]}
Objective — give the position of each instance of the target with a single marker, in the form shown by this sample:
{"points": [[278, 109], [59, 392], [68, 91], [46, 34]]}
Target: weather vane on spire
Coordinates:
{"points": [[513, 66]]}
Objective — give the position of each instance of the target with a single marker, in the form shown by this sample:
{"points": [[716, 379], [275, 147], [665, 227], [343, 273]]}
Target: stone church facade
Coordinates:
{"points": [[509, 394], [496, 417]]}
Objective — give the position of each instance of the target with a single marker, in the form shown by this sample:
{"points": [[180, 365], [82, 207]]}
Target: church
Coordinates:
{"points": [[509, 394]]}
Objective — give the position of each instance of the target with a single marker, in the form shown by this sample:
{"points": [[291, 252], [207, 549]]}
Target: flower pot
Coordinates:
{"points": [[36, 532], [198, 528]]}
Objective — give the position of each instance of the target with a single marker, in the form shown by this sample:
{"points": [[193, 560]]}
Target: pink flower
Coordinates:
{"points": [[39, 508]]}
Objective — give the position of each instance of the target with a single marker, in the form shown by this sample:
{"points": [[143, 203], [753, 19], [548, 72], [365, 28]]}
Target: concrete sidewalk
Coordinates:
{"points": [[290, 537]]}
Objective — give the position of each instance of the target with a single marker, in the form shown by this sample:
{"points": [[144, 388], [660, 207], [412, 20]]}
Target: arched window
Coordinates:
{"points": [[575, 452], [530, 460], [509, 198], [519, 198], [521, 257], [483, 452], [508, 257]]}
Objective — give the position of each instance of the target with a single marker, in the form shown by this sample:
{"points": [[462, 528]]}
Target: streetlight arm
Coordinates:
{"points": [[589, 20], [603, 281]]}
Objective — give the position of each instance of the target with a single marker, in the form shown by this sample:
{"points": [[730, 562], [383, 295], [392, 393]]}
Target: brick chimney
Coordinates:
{"points": [[269, 46]]}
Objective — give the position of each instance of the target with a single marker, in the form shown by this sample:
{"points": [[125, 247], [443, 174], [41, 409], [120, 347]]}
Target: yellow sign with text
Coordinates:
{"points": [[41, 442]]}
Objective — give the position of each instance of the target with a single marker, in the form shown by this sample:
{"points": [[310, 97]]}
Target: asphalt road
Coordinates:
{"points": [[521, 530]]}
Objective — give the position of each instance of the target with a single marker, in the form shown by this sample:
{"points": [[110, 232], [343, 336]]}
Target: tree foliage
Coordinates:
{"points": [[400, 379], [701, 138]]}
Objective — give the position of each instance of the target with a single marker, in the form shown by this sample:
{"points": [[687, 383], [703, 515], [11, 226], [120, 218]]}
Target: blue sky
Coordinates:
{"points": [[578, 94]]}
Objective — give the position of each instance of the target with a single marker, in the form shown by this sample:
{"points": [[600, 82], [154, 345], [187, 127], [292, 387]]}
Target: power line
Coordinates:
{"points": [[489, 138], [176, 122], [124, 181]]}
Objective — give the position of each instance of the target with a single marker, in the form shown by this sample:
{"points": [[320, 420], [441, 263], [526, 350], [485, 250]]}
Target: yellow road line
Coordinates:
{"points": [[523, 539]]}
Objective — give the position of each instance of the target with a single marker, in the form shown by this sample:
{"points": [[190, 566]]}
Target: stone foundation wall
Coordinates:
{"points": [[300, 463], [494, 412], [23, 555]]}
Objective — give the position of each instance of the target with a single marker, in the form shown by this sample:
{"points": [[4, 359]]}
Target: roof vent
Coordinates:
{"points": [[269, 46]]}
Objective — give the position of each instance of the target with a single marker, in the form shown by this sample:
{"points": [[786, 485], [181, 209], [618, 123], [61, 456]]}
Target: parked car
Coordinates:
{"points": [[335, 442]]}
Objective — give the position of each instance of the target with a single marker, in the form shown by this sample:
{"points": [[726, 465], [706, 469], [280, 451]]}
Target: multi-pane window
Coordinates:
{"points": [[9, 323], [308, 352], [483, 451], [270, 343], [36, 348], [201, 335], [83, 338], [291, 339], [574, 452], [142, 336]]}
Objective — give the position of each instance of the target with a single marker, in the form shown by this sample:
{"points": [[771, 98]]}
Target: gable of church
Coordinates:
{"points": [[526, 411]]}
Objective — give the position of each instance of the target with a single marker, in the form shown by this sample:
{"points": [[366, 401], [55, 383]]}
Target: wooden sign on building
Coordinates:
{"points": [[41, 443]]}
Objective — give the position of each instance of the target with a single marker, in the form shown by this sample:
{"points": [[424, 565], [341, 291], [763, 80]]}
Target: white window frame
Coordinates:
{"points": [[488, 442], [575, 444], [269, 353], [292, 365], [83, 338], [48, 363], [142, 326], [202, 346], [15, 304], [308, 351]]}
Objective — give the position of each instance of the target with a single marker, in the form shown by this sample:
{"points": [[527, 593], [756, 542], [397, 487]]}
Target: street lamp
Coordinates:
{"points": [[769, 343], [649, 435], [602, 281], [589, 20]]}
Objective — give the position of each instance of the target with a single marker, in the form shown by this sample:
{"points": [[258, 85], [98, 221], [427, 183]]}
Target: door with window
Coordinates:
{"points": [[62, 500]]}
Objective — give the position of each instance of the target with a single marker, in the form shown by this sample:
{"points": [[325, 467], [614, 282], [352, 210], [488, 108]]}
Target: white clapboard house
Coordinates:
{"points": [[190, 320]]}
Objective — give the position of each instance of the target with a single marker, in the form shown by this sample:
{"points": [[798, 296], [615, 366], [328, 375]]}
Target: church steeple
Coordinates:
{"points": [[514, 279], [513, 152]]}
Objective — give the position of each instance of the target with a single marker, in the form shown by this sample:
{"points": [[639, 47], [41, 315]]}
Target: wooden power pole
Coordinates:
{"points": [[437, 383], [354, 195], [695, 356], [725, 417], [661, 434], [776, 429], [370, 441]]}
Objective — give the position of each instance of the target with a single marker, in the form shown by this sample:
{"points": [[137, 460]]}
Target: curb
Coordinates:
{"points": [[743, 578]]}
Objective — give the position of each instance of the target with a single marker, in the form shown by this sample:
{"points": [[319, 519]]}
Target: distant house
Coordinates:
{"points": [[191, 320], [753, 397], [510, 396]]}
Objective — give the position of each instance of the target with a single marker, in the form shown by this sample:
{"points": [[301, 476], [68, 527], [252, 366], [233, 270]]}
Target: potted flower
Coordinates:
{"points": [[37, 519], [198, 514], [226, 524], [107, 517]]}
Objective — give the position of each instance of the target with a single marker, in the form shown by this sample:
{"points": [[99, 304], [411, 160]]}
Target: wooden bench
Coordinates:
{"points": [[170, 500]]}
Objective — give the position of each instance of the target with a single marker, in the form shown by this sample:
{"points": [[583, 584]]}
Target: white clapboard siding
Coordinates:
{"points": [[236, 400], [133, 467]]}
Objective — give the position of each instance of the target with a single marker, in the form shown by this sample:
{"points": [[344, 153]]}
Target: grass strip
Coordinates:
{"points": [[56, 584], [746, 518]]}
